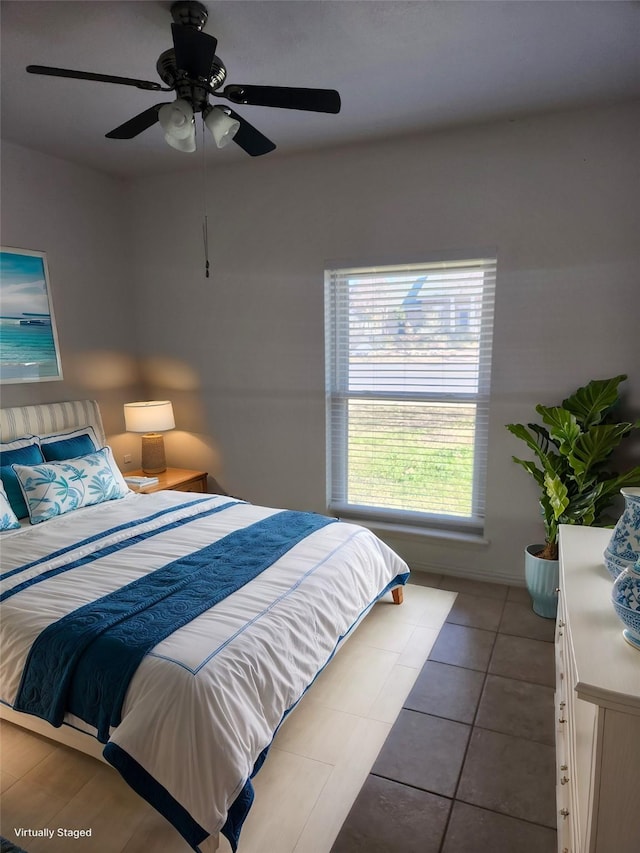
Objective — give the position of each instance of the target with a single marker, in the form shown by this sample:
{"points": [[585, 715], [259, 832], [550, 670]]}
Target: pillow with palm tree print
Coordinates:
{"points": [[55, 488]]}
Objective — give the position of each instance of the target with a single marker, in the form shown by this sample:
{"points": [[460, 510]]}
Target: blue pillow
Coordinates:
{"points": [[69, 444], [22, 451]]}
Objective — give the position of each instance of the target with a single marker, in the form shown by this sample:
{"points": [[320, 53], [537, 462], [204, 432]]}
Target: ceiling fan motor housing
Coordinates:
{"points": [[190, 13], [172, 77]]}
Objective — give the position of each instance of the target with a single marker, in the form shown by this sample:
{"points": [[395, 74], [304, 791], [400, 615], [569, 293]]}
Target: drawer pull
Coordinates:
{"points": [[564, 780], [564, 812]]}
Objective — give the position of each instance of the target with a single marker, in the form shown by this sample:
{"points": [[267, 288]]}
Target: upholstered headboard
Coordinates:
{"points": [[48, 418]]}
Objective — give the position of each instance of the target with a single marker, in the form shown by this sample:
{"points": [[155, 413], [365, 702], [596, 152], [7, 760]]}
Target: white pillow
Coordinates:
{"points": [[55, 488], [17, 443], [8, 519], [70, 444]]}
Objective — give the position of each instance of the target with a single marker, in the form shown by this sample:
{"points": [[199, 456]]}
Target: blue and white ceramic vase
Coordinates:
{"points": [[626, 602], [624, 548]]}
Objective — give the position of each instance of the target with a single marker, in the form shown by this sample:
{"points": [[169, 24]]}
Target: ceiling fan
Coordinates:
{"points": [[192, 70]]}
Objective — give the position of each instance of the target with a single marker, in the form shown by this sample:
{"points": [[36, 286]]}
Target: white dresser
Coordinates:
{"points": [[597, 706]]}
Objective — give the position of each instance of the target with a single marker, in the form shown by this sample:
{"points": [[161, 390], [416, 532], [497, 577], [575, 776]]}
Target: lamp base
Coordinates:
{"points": [[153, 458]]}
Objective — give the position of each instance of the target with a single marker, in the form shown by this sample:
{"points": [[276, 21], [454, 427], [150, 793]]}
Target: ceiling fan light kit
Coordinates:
{"points": [[222, 127], [178, 123], [192, 70]]}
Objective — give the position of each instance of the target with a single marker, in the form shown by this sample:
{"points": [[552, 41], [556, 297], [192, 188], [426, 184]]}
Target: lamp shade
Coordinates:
{"points": [[223, 128], [151, 416], [176, 120]]}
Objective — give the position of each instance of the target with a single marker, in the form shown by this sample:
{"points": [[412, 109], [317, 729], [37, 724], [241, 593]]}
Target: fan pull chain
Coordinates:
{"points": [[205, 224], [205, 234]]}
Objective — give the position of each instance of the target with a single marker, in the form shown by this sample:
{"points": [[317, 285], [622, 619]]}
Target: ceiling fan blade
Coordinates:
{"points": [[194, 51], [315, 100], [89, 75], [136, 124], [250, 139]]}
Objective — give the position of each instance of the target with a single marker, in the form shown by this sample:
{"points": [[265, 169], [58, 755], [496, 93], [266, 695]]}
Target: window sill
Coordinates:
{"points": [[407, 531]]}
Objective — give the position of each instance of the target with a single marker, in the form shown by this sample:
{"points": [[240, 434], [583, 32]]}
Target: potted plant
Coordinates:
{"points": [[572, 450]]}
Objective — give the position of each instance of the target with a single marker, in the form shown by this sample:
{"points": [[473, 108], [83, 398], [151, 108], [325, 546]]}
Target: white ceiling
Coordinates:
{"points": [[400, 67]]}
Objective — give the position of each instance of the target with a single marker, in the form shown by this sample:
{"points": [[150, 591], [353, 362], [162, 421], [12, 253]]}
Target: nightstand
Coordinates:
{"points": [[175, 479]]}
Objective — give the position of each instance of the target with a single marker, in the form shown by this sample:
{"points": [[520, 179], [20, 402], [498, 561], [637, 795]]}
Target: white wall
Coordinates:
{"points": [[79, 218], [242, 355]]}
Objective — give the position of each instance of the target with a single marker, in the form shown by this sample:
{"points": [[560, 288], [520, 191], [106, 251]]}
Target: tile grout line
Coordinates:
{"points": [[471, 728], [474, 724], [503, 814], [454, 800]]}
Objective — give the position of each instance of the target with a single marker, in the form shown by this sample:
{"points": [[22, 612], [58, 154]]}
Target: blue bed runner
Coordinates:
{"points": [[84, 662]]}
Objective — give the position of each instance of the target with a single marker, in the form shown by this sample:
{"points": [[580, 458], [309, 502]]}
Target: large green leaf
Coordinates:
{"points": [[591, 403], [629, 478], [557, 494], [582, 505], [520, 431], [537, 438], [594, 447], [612, 485], [556, 464], [564, 427], [589, 516], [532, 468], [542, 436], [548, 517]]}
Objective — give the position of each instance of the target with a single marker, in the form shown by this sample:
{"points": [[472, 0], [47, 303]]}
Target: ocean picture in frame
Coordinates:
{"points": [[28, 341]]}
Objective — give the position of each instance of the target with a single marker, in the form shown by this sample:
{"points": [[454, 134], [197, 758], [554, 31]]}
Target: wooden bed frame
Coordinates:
{"points": [[42, 420]]}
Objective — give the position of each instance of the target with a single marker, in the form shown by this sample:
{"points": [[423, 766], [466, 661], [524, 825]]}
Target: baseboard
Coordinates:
{"points": [[469, 574]]}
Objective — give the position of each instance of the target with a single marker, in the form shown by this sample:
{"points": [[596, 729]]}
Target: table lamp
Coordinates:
{"points": [[150, 418]]}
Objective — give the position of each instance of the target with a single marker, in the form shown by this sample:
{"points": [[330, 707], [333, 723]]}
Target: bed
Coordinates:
{"points": [[171, 633]]}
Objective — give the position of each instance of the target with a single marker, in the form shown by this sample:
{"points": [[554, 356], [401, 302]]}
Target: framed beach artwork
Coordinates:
{"points": [[28, 341]]}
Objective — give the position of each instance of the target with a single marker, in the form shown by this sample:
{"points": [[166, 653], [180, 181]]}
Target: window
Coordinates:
{"points": [[408, 371]]}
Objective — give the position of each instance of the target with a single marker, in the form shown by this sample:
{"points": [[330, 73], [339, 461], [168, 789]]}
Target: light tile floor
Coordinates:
{"points": [[318, 763]]}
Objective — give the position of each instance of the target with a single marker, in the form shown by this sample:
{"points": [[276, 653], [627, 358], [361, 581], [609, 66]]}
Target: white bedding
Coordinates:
{"points": [[206, 701]]}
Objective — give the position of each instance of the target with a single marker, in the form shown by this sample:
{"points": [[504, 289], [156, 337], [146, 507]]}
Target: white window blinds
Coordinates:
{"points": [[408, 372]]}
